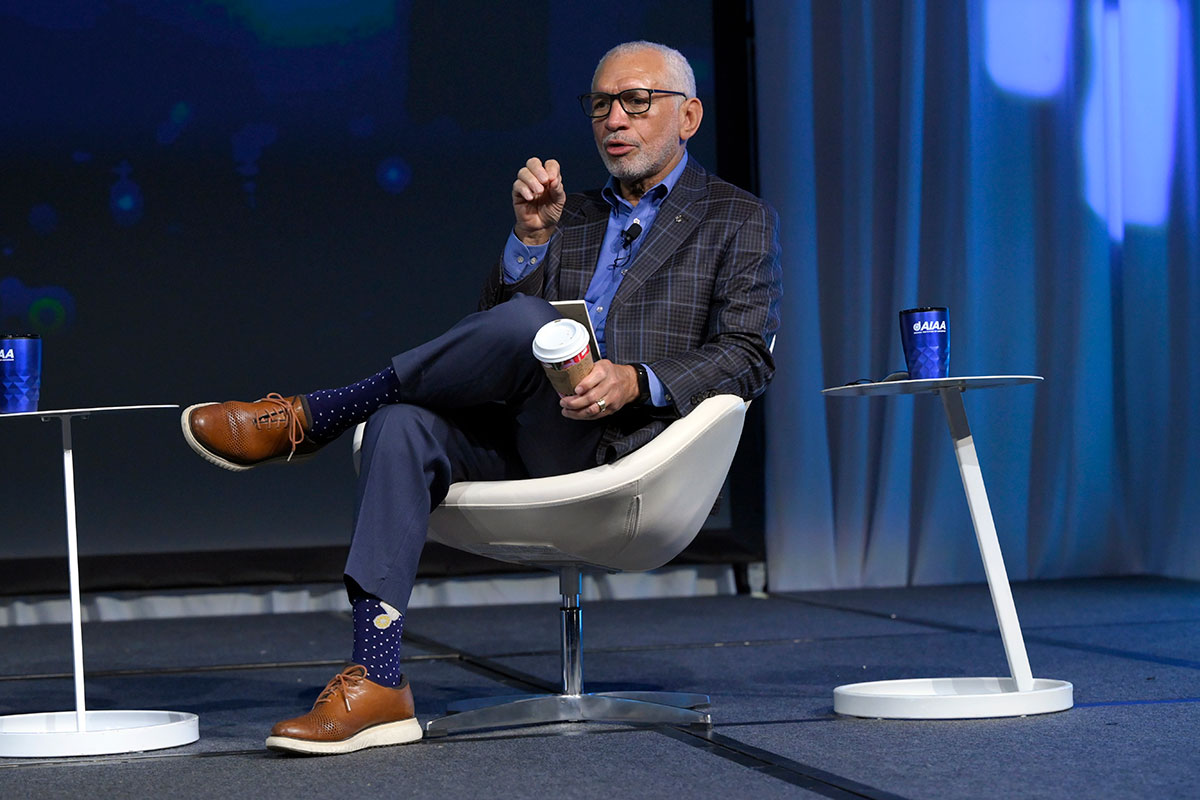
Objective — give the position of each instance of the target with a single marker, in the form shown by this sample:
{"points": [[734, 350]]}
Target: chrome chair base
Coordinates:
{"points": [[639, 708]]}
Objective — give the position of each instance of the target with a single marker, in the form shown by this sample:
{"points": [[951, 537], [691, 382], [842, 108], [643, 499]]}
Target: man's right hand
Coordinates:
{"points": [[538, 199]]}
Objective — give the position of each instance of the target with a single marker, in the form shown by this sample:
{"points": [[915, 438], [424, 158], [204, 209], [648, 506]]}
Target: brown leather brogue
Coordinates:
{"points": [[352, 713], [239, 436]]}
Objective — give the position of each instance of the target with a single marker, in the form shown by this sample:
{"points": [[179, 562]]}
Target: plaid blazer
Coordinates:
{"points": [[699, 303]]}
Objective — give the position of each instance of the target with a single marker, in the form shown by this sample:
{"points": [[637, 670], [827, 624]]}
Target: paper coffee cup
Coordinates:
{"points": [[562, 347]]}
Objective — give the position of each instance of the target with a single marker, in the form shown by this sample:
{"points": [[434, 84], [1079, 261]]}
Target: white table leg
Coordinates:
{"points": [[964, 698], [73, 566], [82, 732], [989, 543]]}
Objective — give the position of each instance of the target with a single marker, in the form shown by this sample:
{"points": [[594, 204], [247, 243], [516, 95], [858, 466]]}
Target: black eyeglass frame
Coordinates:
{"points": [[585, 104]]}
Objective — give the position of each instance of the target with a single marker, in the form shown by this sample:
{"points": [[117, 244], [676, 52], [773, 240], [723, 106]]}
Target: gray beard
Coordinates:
{"points": [[639, 166]]}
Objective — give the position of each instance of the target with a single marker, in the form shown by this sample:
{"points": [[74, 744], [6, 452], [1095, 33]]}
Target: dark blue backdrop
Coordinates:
{"points": [[214, 200]]}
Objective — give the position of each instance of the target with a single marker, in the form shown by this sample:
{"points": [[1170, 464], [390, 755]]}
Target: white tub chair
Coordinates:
{"points": [[633, 515]]}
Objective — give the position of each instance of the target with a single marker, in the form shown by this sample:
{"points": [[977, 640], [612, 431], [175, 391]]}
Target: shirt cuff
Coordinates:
{"points": [[520, 259], [658, 392]]}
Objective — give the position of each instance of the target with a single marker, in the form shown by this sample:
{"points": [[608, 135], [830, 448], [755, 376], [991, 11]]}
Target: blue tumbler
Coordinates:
{"points": [[925, 334], [20, 372]]}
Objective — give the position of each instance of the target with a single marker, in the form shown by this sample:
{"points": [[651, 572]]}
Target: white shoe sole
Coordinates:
{"points": [[212, 457], [402, 732]]}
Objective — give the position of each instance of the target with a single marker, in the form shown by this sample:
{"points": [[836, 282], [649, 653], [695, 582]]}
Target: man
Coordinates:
{"points": [[681, 274]]}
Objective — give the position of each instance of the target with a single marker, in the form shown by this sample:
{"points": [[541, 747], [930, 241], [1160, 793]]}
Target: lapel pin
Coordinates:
{"points": [[679, 217]]}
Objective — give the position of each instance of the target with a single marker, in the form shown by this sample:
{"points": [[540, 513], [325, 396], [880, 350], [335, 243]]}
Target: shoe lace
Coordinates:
{"points": [[348, 678], [295, 429]]}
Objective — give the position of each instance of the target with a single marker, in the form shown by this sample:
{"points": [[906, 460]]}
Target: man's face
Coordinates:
{"points": [[641, 148]]}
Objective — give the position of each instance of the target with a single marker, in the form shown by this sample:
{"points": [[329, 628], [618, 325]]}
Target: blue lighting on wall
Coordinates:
{"points": [[125, 201], [1026, 45], [1132, 81], [170, 130], [307, 23], [393, 174], [1129, 114]]}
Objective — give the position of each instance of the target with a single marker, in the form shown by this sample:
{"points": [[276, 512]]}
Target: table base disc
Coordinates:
{"points": [[54, 734], [951, 698]]}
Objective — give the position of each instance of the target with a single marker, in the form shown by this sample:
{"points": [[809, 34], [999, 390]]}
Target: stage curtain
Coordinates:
{"points": [[1031, 165]]}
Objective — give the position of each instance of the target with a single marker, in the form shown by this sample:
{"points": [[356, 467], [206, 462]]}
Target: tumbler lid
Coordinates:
{"points": [[21, 336], [559, 341]]}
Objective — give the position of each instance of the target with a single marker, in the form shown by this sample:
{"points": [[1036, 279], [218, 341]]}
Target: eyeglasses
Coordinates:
{"points": [[597, 105]]}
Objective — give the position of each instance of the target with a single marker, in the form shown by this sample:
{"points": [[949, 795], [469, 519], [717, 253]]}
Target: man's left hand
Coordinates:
{"points": [[614, 384]]}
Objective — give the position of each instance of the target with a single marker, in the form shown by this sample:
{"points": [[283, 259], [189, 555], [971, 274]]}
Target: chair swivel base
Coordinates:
{"points": [[638, 708]]}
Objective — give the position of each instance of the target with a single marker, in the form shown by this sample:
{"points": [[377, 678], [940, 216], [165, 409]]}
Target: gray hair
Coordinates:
{"points": [[679, 71]]}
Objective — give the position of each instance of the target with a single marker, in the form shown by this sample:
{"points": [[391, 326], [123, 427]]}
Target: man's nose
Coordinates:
{"points": [[617, 118]]}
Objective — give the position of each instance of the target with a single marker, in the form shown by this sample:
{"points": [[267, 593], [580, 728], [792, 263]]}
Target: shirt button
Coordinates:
{"points": [[624, 271], [533, 259], [520, 259], [599, 308]]}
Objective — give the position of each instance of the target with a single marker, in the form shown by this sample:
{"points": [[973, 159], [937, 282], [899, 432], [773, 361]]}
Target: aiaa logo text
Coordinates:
{"points": [[930, 326], [7, 355]]}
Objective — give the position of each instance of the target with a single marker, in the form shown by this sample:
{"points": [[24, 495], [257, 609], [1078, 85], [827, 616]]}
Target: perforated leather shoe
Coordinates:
{"points": [[238, 436], [352, 713]]}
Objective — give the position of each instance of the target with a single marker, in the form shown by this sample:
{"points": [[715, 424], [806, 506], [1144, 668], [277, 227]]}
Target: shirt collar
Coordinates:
{"points": [[655, 194]]}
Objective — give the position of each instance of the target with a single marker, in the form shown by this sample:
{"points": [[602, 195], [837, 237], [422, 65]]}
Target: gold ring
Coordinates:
{"points": [[600, 404]]}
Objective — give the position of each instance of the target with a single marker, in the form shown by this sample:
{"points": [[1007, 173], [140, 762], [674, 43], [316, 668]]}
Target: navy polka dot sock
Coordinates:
{"points": [[332, 411], [377, 628]]}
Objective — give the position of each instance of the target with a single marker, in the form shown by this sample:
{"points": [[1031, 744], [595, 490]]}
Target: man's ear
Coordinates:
{"points": [[691, 112]]}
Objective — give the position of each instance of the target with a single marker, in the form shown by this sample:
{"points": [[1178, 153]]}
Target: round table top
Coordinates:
{"points": [[880, 388], [81, 412]]}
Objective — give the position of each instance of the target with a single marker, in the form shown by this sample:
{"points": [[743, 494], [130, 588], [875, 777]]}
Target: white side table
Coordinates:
{"points": [[82, 732], [961, 698]]}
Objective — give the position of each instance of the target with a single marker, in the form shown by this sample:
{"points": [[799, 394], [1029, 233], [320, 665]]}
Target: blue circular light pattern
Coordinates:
{"points": [[125, 199], [47, 315], [41, 309], [169, 131], [393, 175]]}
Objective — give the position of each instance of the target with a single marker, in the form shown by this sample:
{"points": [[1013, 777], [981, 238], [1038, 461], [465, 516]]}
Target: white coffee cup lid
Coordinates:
{"points": [[559, 340]]}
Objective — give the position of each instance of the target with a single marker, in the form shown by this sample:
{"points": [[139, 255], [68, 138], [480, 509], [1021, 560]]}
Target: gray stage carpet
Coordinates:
{"points": [[1130, 646]]}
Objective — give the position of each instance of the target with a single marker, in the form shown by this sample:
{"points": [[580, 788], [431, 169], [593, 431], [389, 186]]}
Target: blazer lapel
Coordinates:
{"points": [[675, 222], [580, 248]]}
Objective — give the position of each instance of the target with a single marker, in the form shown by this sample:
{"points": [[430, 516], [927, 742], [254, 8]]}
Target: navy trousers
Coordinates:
{"points": [[476, 406]]}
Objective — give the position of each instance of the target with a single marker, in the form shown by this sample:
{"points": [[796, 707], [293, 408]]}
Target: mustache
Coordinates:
{"points": [[616, 138]]}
